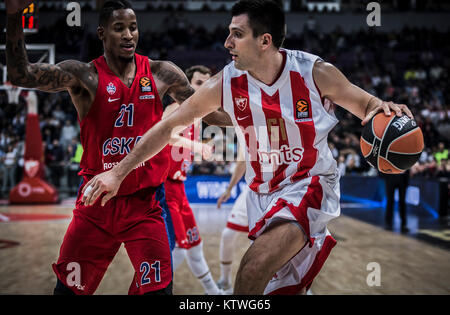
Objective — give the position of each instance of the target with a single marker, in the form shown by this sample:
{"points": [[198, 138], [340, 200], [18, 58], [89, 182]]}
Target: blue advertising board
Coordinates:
{"points": [[422, 193]]}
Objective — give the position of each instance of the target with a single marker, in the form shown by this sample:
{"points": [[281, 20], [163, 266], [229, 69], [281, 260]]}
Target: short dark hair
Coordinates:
{"points": [[109, 7], [265, 16], [191, 70]]}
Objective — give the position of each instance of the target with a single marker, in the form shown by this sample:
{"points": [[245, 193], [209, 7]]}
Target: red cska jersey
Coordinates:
{"points": [[118, 118]]}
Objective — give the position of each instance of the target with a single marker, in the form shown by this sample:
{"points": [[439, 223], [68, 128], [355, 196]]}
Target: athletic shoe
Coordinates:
{"points": [[225, 287]]}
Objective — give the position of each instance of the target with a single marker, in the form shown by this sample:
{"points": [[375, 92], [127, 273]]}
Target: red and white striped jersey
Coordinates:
{"points": [[284, 126]]}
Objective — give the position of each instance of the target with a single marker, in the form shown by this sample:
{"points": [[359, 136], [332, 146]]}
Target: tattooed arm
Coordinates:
{"points": [[170, 79], [180, 90], [46, 77], [74, 76]]}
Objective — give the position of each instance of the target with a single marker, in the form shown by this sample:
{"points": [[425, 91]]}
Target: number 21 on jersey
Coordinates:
{"points": [[126, 114], [146, 269]]}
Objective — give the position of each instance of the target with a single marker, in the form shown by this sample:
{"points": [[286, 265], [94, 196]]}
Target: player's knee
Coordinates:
{"points": [[228, 234], [255, 266], [195, 253], [166, 291], [61, 289]]}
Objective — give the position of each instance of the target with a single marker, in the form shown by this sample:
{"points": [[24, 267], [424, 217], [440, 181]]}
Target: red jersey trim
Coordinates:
{"points": [[312, 198], [237, 227]]}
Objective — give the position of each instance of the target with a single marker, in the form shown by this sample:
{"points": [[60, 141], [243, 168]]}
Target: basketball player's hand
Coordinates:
{"points": [[105, 182], [377, 105], [224, 198], [206, 151], [14, 6]]}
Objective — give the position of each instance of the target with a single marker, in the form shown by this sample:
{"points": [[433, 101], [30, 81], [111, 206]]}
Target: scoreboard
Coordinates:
{"points": [[30, 18]]}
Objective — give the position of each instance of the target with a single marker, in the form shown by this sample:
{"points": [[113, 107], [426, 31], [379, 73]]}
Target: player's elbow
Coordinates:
{"points": [[218, 119], [20, 76], [13, 79]]}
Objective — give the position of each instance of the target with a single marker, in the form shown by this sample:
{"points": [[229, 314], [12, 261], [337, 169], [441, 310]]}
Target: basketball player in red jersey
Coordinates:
{"points": [[118, 98], [187, 235], [188, 241], [275, 98]]}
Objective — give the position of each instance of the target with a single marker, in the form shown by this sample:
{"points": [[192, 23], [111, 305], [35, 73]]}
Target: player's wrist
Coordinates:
{"points": [[373, 103], [119, 172]]}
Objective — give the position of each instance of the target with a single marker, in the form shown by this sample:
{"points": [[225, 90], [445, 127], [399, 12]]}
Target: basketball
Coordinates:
{"points": [[391, 144]]}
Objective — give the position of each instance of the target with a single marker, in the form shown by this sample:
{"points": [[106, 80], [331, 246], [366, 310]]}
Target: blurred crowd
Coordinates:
{"points": [[408, 67]]}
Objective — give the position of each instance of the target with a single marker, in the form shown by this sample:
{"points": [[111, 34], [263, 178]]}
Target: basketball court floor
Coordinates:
{"points": [[417, 263]]}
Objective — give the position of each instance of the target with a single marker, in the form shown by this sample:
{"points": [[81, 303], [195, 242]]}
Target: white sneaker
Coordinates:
{"points": [[225, 287], [220, 292]]}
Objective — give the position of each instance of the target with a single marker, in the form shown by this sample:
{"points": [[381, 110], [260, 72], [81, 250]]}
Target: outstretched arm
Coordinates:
{"points": [[180, 90], [203, 102], [336, 87], [42, 76]]}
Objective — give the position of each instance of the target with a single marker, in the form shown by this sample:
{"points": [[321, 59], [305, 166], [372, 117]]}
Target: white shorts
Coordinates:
{"points": [[312, 203], [237, 219]]}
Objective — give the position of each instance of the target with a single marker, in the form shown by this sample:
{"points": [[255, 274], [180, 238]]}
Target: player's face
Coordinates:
{"points": [[241, 44], [121, 35], [198, 79]]}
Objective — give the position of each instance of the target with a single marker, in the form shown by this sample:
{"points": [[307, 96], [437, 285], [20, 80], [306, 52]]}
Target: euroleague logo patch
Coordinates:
{"points": [[145, 84], [302, 109]]}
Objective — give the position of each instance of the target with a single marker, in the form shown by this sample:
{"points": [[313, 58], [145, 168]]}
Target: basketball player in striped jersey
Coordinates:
{"points": [[275, 99], [118, 98]]}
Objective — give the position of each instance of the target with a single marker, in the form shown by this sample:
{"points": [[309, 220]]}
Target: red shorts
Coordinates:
{"points": [[184, 224], [95, 234]]}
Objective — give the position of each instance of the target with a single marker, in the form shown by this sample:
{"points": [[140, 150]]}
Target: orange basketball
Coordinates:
{"points": [[391, 144]]}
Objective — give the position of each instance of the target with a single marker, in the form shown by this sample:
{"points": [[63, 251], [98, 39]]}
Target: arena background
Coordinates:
{"points": [[406, 59]]}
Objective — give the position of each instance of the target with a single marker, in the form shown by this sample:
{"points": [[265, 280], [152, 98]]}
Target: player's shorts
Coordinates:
{"points": [[183, 220], [237, 219], [96, 233], [311, 203]]}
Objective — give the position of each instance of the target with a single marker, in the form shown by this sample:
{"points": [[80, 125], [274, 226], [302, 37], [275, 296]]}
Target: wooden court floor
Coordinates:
{"points": [[407, 266]]}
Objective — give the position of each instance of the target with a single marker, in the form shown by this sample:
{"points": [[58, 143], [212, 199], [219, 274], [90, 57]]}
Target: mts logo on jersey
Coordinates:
{"points": [[285, 155]]}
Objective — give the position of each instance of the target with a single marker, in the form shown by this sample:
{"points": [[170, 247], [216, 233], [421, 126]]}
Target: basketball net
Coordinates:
{"points": [[33, 189]]}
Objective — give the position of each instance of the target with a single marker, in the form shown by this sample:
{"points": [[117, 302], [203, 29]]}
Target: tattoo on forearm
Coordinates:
{"points": [[179, 87], [183, 93], [43, 76], [16, 56]]}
